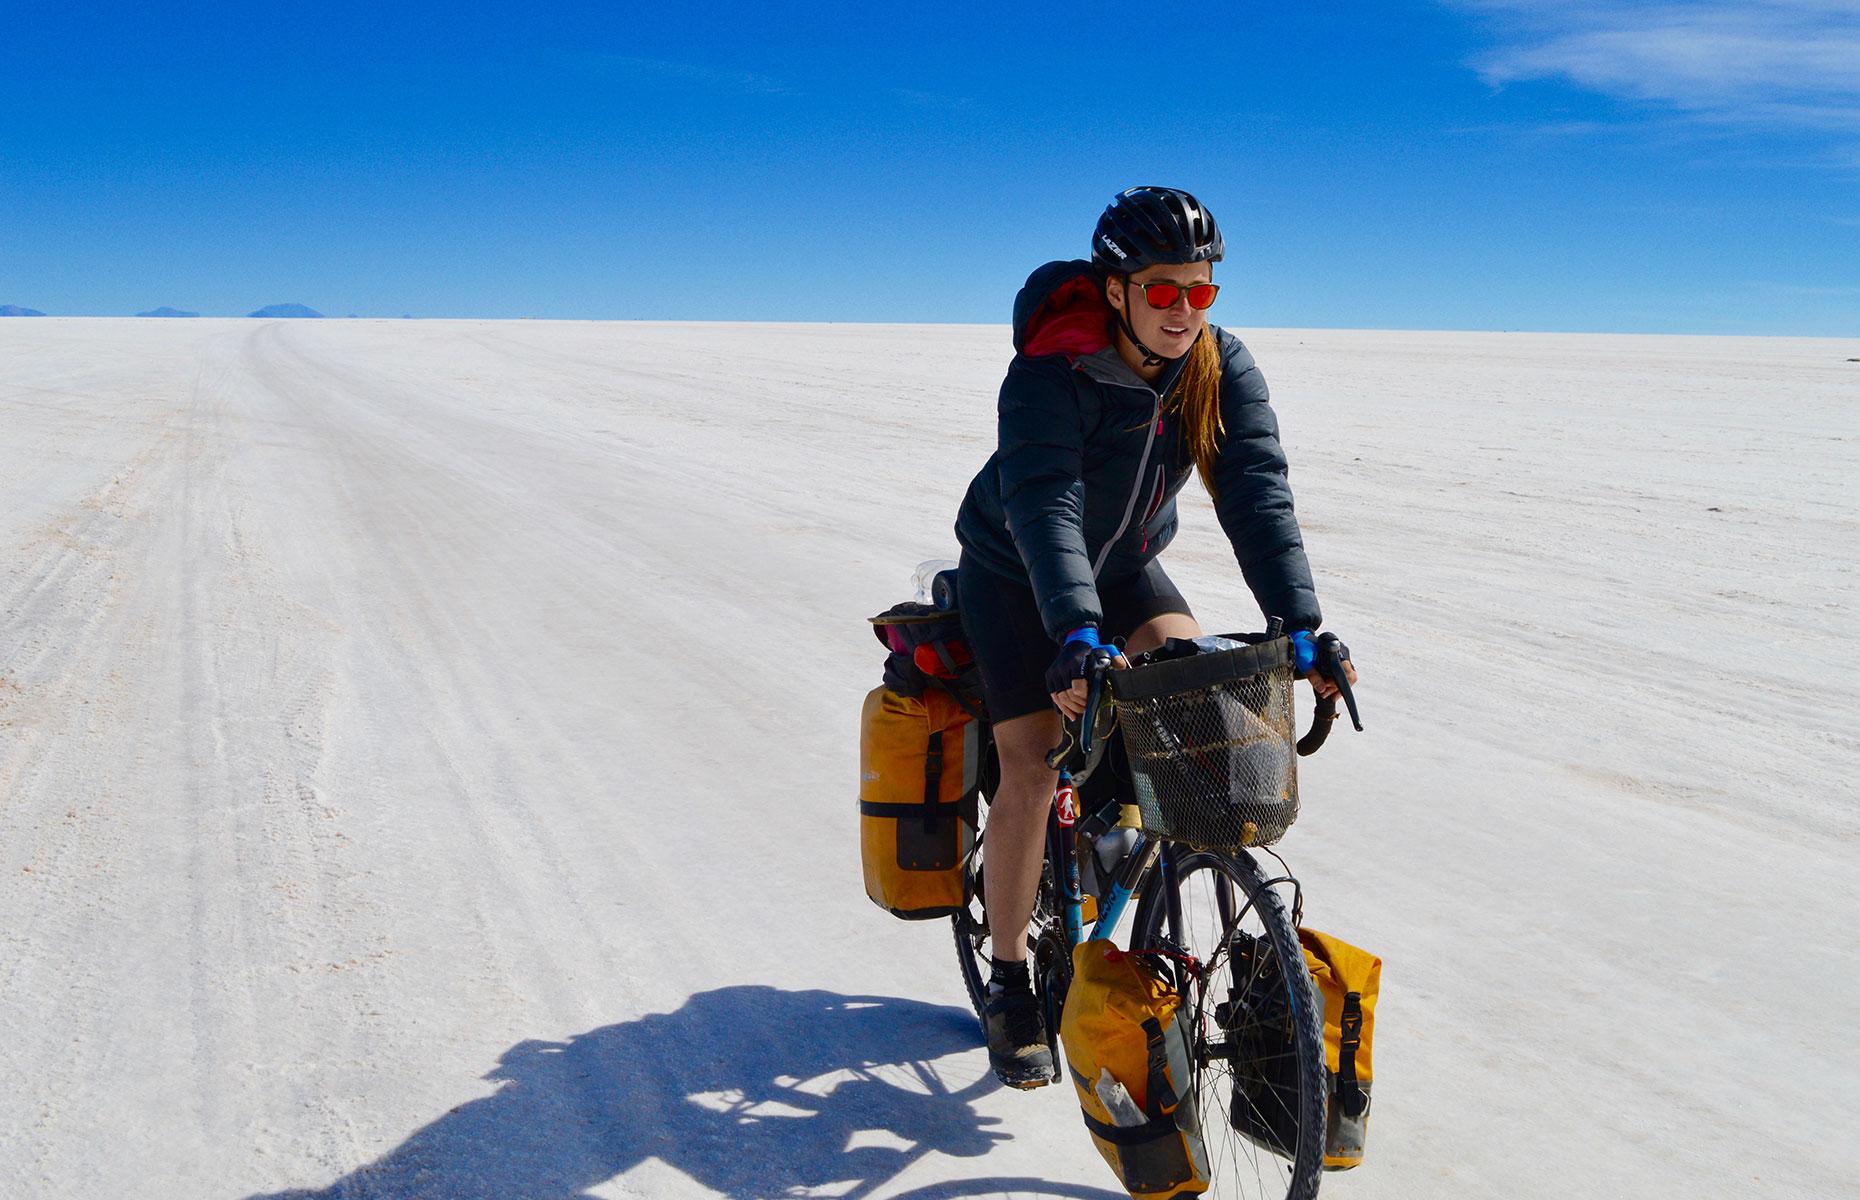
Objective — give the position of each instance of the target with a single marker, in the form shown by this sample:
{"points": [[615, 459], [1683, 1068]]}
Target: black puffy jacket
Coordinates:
{"points": [[1082, 484]]}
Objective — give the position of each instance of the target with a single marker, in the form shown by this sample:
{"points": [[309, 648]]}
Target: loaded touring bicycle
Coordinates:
{"points": [[1215, 1045]]}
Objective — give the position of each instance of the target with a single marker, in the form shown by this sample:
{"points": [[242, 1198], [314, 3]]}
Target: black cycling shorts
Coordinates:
{"points": [[1002, 620]]}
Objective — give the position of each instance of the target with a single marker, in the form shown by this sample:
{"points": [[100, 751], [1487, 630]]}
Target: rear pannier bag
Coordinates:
{"points": [[1125, 1035], [1264, 1107], [920, 766], [919, 762]]}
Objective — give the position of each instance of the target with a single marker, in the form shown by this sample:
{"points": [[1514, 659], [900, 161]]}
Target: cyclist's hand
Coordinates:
{"points": [[1072, 701], [1306, 661], [1324, 687], [1065, 679]]}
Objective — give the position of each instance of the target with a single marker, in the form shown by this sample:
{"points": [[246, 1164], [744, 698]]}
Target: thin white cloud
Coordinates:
{"points": [[696, 76], [1770, 62]]}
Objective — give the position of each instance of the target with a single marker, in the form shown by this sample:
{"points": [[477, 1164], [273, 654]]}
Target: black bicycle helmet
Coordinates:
{"points": [[1149, 225]]}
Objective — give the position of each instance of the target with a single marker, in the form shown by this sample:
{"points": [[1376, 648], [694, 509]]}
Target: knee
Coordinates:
{"points": [[1027, 785], [1026, 780]]}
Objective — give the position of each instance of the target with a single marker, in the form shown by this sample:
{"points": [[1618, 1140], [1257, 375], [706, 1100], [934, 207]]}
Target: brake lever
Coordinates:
{"points": [[1330, 661], [1084, 745], [1096, 664]]}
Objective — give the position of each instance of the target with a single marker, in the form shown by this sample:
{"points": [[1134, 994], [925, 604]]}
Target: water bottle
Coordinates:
{"points": [[935, 583], [1110, 849], [1117, 1102]]}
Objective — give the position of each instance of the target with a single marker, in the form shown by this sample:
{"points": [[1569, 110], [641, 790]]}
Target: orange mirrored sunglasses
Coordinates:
{"points": [[1164, 295]]}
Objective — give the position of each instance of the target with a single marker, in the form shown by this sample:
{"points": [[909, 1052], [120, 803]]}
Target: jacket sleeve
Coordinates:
{"points": [[1254, 498], [1040, 459]]}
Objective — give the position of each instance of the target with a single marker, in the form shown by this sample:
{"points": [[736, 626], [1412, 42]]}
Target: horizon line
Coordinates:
{"points": [[1003, 325]]}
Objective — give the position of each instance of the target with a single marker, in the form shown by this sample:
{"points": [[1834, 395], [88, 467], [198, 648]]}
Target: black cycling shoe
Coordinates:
{"points": [[1017, 1045]]}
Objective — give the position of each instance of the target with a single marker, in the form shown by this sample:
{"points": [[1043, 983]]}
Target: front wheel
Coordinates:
{"points": [[1256, 1026]]}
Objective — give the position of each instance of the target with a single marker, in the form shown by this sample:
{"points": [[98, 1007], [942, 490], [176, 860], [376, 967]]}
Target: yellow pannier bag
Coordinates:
{"points": [[1125, 1037], [919, 770], [1348, 978]]}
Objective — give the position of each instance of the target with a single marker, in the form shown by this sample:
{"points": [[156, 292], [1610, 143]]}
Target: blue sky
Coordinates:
{"points": [[1474, 164]]}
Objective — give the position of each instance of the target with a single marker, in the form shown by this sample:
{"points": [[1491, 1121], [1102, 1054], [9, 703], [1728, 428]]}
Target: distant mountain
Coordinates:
{"points": [[286, 310], [165, 311], [14, 310]]}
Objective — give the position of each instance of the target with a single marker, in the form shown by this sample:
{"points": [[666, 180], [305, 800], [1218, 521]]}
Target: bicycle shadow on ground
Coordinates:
{"points": [[752, 1092]]}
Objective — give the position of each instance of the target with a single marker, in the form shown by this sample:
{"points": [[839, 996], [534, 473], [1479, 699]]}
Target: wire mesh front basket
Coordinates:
{"points": [[1211, 744]]}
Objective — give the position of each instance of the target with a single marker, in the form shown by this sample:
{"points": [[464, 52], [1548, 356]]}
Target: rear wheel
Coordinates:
{"points": [[971, 926], [1260, 1079]]}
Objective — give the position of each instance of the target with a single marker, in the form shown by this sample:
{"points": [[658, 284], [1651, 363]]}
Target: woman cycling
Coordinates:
{"points": [[1118, 391]]}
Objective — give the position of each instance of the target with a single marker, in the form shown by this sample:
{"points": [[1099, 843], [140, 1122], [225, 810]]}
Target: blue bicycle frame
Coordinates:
{"points": [[1070, 900]]}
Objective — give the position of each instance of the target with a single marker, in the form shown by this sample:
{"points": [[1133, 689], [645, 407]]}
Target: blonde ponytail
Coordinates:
{"points": [[1196, 397]]}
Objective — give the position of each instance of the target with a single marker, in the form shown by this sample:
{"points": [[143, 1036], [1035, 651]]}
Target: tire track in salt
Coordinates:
{"points": [[76, 639], [409, 496]]}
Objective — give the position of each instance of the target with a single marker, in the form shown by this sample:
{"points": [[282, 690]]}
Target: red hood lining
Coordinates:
{"points": [[1073, 321]]}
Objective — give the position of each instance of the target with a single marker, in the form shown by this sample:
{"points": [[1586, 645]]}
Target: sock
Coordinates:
{"points": [[1006, 975]]}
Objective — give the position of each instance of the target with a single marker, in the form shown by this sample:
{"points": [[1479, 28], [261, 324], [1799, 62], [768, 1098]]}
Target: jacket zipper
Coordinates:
{"points": [[1156, 499], [1136, 489]]}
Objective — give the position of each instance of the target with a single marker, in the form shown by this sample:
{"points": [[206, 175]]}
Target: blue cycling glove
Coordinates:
{"points": [[1070, 664], [1304, 652]]}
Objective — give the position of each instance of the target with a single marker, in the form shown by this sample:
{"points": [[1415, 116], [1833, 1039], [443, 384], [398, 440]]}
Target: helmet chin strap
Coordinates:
{"points": [[1150, 357]]}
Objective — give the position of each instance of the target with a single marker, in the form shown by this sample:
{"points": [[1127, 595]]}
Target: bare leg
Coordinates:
{"points": [[1017, 812], [1157, 630], [1016, 837]]}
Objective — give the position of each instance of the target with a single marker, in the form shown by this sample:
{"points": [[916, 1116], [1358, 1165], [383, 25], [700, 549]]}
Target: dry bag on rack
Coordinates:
{"points": [[1126, 1045], [920, 766], [1266, 1082], [1348, 978]]}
